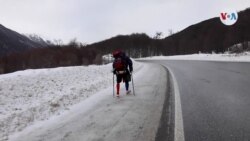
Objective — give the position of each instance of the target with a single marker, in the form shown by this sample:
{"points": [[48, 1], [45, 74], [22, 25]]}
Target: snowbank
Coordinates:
{"points": [[242, 57], [37, 95], [101, 117]]}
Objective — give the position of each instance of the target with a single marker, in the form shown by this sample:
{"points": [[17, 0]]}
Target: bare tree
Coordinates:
{"points": [[58, 42], [158, 35]]}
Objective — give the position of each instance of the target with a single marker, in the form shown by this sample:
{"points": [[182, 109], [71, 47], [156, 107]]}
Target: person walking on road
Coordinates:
{"points": [[122, 68]]}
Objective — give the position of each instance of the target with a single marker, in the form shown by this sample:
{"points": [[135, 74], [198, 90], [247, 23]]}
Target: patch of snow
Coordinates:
{"points": [[101, 117], [36, 95], [240, 57]]}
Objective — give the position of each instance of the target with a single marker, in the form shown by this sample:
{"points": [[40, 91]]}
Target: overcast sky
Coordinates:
{"points": [[94, 20]]}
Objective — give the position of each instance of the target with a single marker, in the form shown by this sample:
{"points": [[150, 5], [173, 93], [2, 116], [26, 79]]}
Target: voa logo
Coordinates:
{"points": [[229, 17]]}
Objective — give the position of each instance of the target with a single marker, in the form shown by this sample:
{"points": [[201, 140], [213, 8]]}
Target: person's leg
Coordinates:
{"points": [[118, 79], [117, 88], [127, 79], [126, 85]]}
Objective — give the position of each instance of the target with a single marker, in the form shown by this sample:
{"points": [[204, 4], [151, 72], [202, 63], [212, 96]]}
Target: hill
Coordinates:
{"points": [[210, 35], [12, 42], [207, 36]]}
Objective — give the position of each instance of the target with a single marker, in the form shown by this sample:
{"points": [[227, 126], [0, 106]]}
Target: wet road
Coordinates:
{"points": [[215, 99]]}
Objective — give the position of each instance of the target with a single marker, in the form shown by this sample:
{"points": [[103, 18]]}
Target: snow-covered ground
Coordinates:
{"points": [[37, 95], [31, 96], [242, 57], [101, 117]]}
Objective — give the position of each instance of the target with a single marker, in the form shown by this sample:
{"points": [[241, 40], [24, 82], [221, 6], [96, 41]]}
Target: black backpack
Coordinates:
{"points": [[120, 64]]}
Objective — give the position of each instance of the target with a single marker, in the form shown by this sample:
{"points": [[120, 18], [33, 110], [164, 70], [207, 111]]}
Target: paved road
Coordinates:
{"points": [[215, 99]]}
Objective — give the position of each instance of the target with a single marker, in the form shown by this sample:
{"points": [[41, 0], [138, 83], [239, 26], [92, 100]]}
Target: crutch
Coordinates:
{"points": [[133, 84], [113, 87]]}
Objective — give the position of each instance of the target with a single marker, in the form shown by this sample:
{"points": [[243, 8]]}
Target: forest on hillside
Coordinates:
{"points": [[49, 57]]}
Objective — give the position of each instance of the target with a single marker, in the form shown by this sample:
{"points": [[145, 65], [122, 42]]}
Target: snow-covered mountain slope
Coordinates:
{"points": [[36, 95], [11, 41]]}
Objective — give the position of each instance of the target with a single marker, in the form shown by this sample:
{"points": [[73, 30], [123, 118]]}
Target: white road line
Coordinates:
{"points": [[178, 131]]}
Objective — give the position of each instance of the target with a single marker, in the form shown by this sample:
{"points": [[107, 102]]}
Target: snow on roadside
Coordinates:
{"points": [[36, 95], [242, 57]]}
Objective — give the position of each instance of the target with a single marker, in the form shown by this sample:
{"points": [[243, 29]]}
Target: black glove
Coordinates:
{"points": [[114, 72]]}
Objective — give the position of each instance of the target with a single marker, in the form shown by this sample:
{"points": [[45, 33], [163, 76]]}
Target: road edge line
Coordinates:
{"points": [[178, 130]]}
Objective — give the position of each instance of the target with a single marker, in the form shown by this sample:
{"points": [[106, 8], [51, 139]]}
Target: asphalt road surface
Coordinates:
{"points": [[215, 99]]}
